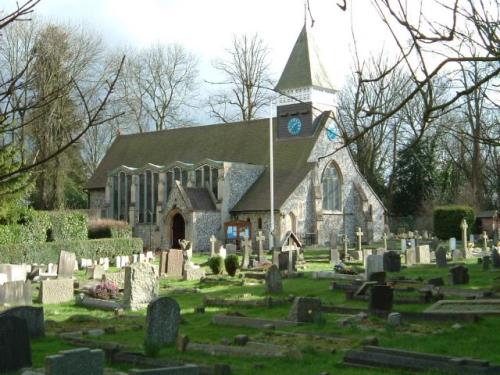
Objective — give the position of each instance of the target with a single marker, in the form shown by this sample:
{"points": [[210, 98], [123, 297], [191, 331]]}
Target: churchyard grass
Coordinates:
{"points": [[468, 339]]}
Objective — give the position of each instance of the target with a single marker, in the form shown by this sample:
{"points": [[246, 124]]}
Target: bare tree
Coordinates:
{"points": [[158, 86], [246, 81]]}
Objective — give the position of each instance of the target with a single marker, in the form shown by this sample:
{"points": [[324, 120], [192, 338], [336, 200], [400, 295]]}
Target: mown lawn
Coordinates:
{"points": [[471, 339]]}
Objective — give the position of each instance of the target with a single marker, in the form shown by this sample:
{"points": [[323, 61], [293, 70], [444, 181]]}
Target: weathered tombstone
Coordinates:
{"points": [[345, 244], [163, 319], [213, 241], [403, 245], [359, 236], [246, 251], [118, 261], [162, 268], [95, 272], [14, 272], [453, 243], [423, 254], [394, 319], [56, 291], [459, 275], [175, 263], [374, 263], [334, 256], [13, 293], [392, 261], [33, 316], [276, 258], [261, 256], [222, 252], [15, 347], [434, 244], [486, 262], [484, 237], [273, 280], [284, 261], [381, 298], [81, 361], [66, 264], [411, 257], [495, 258], [384, 237], [304, 309], [141, 285], [457, 255], [441, 261]]}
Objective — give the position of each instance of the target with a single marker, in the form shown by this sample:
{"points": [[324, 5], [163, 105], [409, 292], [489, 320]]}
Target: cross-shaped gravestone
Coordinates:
{"points": [[484, 237], [213, 240], [247, 250], [385, 241], [260, 240], [464, 226], [359, 234]]}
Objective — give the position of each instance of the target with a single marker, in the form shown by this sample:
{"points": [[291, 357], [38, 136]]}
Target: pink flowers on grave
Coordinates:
{"points": [[104, 290]]}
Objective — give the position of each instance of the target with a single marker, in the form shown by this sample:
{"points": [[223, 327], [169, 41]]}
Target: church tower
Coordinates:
{"points": [[306, 90]]}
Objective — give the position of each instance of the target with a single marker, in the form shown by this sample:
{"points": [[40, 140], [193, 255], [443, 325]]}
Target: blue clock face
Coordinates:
{"points": [[331, 132], [294, 126]]}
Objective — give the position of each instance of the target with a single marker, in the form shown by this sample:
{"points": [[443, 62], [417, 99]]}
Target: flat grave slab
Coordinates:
{"points": [[459, 307], [244, 321]]}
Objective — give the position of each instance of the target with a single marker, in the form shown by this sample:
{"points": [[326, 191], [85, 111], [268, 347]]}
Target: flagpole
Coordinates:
{"points": [[271, 175]]}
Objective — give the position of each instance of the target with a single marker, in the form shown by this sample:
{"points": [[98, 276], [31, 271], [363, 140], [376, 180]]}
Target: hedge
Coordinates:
{"points": [[447, 221], [48, 252], [108, 228], [68, 225]]}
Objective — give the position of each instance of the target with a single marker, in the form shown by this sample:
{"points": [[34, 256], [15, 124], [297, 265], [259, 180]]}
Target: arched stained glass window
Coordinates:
{"points": [[332, 188]]}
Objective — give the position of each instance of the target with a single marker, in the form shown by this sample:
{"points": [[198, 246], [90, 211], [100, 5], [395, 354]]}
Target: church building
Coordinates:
{"points": [[195, 182]]}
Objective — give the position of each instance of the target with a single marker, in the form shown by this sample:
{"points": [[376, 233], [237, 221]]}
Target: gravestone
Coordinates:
{"points": [[246, 252], [222, 252], [441, 261], [377, 277], [66, 264], [175, 263], [13, 293], [140, 287], [162, 268], [276, 258], [304, 309], [231, 248], [392, 261], [55, 291], [95, 272], [459, 275], [423, 254], [374, 263], [334, 256], [15, 350], [14, 272], [261, 256], [411, 257], [457, 255], [403, 245], [495, 258], [434, 243], [453, 243], [486, 262], [381, 298], [284, 260], [33, 316], [81, 361], [163, 319], [273, 280], [213, 241]]}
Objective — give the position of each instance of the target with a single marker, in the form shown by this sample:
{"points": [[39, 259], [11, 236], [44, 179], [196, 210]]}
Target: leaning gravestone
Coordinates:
{"points": [[15, 350], [273, 280], [441, 261], [381, 298], [33, 316], [392, 261], [459, 275], [140, 286], [56, 291], [163, 319], [66, 264], [81, 361], [304, 309]]}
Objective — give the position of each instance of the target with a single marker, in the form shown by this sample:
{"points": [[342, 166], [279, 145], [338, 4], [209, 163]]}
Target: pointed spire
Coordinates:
{"points": [[304, 67]]}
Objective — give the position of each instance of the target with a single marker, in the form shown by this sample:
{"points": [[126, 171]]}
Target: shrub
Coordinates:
{"points": [[49, 251], [215, 264], [68, 225], [447, 220], [108, 228], [33, 229], [231, 264]]}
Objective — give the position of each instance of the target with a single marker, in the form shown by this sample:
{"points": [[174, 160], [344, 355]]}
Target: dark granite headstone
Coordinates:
{"points": [[273, 280], [283, 260], [459, 275], [441, 257], [378, 277], [486, 262], [437, 281], [32, 315], [304, 309], [81, 361], [15, 350], [392, 261], [495, 258], [381, 298], [163, 319]]}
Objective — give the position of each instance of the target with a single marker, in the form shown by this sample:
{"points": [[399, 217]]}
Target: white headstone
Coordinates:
{"points": [[135, 258], [411, 257], [142, 258], [403, 245], [3, 278], [424, 254], [222, 252], [105, 264], [453, 243], [150, 255], [374, 263], [118, 261]]}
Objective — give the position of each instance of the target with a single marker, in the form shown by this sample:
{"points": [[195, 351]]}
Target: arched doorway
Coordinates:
{"points": [[178, 230]]}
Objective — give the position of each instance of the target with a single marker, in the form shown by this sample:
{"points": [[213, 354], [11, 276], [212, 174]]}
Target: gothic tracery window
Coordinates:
{"points": [[332, 191]]}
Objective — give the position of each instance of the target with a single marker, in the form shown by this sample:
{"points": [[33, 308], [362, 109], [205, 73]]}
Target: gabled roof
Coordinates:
{"points": [[304, 67], [244, 142], [200, 199]]}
